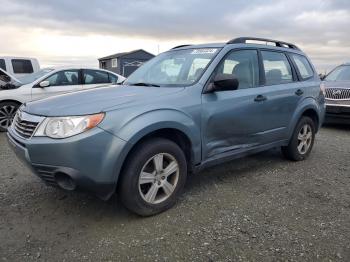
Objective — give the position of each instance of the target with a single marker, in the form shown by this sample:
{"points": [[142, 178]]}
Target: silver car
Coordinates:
{"points": [[337, 85]]}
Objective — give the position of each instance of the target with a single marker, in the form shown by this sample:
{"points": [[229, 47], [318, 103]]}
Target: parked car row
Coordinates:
{"points": [[189, 108], [45, 83]]}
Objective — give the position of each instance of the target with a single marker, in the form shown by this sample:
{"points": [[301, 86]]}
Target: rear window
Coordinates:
{"points": [[2, 64], [21, 66], [303, 66], [277, 68]]}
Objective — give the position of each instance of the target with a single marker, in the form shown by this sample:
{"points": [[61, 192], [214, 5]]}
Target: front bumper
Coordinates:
{"points": [[92, 159], [337, 113]]}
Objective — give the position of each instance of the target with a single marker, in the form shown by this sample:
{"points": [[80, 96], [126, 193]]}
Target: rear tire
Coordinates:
{"points": [[302, 140], [153, 177], [7, 113]]}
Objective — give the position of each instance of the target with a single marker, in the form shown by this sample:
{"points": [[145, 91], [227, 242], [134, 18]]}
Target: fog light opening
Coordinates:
{"points": [[65, 181]]}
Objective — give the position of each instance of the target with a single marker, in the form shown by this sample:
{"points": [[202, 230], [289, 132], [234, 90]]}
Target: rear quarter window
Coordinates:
{"points": [[2, 64], [303, 66], [22, 66]]}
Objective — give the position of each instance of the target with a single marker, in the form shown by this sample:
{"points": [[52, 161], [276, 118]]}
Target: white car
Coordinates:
{"points": [[45, 83]]}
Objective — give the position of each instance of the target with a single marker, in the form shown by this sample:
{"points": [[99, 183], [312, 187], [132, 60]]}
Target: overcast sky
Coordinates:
{"points": [[80, 31]]}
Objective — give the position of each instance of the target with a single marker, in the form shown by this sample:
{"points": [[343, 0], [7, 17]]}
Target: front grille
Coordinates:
{"points": [[24, 128], [338, 93]]}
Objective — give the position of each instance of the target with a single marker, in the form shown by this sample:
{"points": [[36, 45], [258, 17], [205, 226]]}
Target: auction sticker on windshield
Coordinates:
{"points": [[204, 51]]}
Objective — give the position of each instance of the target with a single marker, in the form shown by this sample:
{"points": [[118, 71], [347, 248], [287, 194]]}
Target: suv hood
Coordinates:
{"points": [[97, 100]]}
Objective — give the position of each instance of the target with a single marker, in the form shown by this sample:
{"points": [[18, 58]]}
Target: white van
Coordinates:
{"points": [[19, 66]]}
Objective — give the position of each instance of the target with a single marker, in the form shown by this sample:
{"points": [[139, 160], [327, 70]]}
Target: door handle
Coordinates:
{"points": [[260, 98], [299, 92]]}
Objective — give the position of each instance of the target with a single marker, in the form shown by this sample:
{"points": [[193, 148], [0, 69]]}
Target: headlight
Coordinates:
{"points": [[63, 127]]}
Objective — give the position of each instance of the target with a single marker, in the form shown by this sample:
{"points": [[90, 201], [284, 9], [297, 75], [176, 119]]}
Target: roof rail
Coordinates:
{"points": [[179, 46], [243, 40]]}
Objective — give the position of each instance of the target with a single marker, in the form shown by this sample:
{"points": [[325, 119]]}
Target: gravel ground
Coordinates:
{"points": [[260, 208]]}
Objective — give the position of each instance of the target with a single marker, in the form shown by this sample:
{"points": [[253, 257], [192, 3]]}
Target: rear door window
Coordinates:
{"points": [[2, 64], [303, 66], [22, 66], [95, 77], [277, 68]]}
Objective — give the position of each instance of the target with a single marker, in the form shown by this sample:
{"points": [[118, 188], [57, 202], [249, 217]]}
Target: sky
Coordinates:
{"points": [[64, 32]]}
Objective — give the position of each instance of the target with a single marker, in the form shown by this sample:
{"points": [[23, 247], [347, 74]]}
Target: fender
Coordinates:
{"points": [[307, 103], [154, 120], [18, 95], [143, 124]]}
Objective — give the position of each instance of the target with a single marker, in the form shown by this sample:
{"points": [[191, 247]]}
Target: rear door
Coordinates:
{"points": [[60, 82], [281, 93]]}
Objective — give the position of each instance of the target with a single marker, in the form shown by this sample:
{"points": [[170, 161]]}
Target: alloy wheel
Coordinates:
{"points": [[158, 178], [304, 139], [7, 114]]}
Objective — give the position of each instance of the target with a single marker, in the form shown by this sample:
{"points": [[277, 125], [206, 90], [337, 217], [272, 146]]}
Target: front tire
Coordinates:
{"points": [[7, 113], [302, 140], [153, 177]]}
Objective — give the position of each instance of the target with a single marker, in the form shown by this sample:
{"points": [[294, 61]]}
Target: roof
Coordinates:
{"points": [[123, 54]]}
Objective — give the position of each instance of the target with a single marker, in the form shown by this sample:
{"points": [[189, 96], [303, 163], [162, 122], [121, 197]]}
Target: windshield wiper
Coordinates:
{"points": [[144, 84]]}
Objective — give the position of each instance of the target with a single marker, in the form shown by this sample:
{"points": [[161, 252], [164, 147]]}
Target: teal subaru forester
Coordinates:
{"points": [[189, 108]]}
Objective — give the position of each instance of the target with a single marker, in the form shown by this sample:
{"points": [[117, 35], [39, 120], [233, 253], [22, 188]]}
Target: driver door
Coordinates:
{"points": [[231, 120], [60, 82]]}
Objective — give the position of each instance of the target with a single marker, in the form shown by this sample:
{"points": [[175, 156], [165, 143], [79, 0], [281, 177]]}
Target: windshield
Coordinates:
{"points": [[341, 73], [32, 77], [173, 68]]}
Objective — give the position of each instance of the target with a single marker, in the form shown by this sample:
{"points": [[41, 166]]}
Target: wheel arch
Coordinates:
{"points": [[173, 134], [11, 101], [313, 115], [310, 108]]}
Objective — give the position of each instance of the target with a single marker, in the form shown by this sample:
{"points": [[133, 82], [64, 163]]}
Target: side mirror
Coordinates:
{"points": [[44, 84], [223, 82], [322, 76]]}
